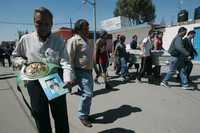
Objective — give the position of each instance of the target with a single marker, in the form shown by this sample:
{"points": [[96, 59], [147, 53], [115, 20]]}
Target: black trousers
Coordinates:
{"points": [[40, 108], [146, 66], [9, 61], [188, 68], [2, 60], [156, 71]]}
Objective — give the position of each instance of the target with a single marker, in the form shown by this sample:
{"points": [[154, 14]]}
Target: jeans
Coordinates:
{"points": [[40, 108], [177, 63], [85, 82], [124, 67], [117, 65]]}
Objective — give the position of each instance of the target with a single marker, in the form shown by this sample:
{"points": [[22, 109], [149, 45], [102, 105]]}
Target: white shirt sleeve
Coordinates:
{"points": [[68, 73], [19, 54]]}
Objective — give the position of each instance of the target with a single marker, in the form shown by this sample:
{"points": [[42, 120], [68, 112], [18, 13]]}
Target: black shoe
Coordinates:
{"points": [[107, 86], [139, 79], [125, 79], [86, 122], [91, 119], [150, 80]]}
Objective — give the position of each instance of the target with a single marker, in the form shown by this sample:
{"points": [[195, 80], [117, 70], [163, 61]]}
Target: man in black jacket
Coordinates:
{"points": [[187, 42], [179, 54], [2, 57]]}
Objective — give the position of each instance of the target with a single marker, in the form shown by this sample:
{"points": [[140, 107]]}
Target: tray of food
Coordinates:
{"points": [[35, 70]]}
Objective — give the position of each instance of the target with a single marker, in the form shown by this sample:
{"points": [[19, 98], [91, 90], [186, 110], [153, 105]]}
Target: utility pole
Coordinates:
{"points": [[95, 27], [70, 22], [93, 3]]}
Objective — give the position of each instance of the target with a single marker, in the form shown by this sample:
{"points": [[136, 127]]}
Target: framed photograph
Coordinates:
{"points": [[53, 86]]}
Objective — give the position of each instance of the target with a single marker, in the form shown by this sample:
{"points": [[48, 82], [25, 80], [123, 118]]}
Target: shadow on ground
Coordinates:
{"points": [[115, 83], [195, 86], [7, 77], [117, 130], [112, 115], [104, 91], [195, 77], [6, 74]]}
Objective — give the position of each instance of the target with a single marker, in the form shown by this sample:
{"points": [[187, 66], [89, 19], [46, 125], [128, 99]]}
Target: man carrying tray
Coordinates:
{"points": [[42, 46]]}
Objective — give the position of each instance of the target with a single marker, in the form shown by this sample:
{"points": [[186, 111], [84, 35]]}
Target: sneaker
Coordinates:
{"points": [[86, 122], [125, 79], [164, 84], [186, 87]]}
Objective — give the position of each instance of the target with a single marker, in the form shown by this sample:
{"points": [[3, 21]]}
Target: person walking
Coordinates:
{"points": [[2, 56], [187, 42], [146, 59], [158, 42], [8, 53], [178, 55], [81, 51], [120, 51], [116, 61], [102, 57], [133, 45], [35, 47]]}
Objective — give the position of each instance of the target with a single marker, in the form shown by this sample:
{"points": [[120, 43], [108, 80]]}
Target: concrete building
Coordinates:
{"points": [[122, 25]]}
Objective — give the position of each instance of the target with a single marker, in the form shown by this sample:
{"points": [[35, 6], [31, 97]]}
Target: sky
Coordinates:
{"points": [[21, 11]]}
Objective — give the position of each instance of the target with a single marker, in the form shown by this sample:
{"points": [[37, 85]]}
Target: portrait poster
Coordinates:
{"points": [[53, 86]]}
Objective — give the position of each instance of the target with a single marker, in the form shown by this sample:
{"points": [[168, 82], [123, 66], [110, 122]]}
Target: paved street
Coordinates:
{"points": [[128, 108]]}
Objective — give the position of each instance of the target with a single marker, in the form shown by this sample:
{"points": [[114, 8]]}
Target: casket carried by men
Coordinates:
{"points": [[159, 57]]}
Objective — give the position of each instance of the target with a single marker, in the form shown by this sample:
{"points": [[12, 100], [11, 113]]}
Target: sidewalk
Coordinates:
{"points": [[128, 108]]}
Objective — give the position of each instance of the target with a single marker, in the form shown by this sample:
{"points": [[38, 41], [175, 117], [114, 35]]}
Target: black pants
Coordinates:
{"points": [[188, 68], [9, 61], [97, 70], [156, 71], [2, 60], [40, 107], [146, 66]]}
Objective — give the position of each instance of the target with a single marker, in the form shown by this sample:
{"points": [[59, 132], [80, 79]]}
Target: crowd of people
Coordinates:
{"points": [[78, 57], [5, 54], [181, 51]]}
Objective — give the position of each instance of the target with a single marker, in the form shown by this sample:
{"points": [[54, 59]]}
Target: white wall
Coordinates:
{"points": [[171, 32], [140, 31]]}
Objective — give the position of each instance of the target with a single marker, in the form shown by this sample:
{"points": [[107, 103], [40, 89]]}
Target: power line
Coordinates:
{"points": [[24, 23], [15, 23]]}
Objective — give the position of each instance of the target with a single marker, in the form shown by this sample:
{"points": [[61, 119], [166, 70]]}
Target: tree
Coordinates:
{"points": [[138, 11]]}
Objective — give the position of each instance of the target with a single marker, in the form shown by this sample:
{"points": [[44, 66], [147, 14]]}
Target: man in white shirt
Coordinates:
{"points": [[146, 62], [43, 46], [81, 51]]}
